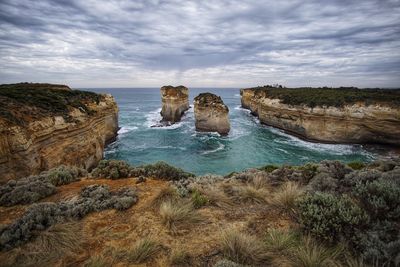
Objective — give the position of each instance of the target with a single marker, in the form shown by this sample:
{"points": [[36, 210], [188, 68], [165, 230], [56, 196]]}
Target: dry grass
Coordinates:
{"points": [[243, 248], [216, 197], [175, 215], [250, 194], [310, 253], [259, 182], [49, 246], [285, 197], [143, 250], [180, 258], [96, 261], [280, 241], [165, 194]]}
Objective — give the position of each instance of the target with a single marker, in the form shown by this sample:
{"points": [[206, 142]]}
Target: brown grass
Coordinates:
{"points": [[285, 197], [243, 248], [49, 246], [164, 194], [180, 258], [175, 215], [250, 194], [143, 250], [216, 197]]}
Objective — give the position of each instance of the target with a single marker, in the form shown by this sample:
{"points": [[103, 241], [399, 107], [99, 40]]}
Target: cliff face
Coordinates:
{"points": [[175, 101], [211, 114], [351, 123], [35, 138]]}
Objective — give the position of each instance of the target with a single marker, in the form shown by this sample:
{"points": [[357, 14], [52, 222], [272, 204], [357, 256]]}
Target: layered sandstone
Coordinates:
{"points": [[211, 114], [175, 101], [72, 129], [357, 122]]}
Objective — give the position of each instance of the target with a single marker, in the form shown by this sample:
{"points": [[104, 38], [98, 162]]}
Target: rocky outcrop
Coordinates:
{"points": [[211, 114], [351, 123], [175, 101], [35, 137]]}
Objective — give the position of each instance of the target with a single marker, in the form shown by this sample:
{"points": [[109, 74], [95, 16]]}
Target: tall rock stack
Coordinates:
{"points": [[175, 101], [211, 114]]}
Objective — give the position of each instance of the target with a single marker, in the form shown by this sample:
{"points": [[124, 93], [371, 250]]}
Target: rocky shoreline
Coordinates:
{"points": [[350, 123]]}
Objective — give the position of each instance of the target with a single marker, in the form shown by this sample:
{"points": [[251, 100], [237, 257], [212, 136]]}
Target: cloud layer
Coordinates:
{"points": [[208, 43]]}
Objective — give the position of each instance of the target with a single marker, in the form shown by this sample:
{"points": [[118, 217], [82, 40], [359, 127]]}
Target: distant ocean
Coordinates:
{"points": [[249, 143]]}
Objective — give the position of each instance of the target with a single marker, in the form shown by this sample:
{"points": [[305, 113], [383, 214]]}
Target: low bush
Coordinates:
{"points": [[308, 171], [143, 250], [356, 165], [112, 169], [41, 216], [381, 199], [323, 182], [334, 168], [227, 263], [33, 188], [162, 170], [269, 168], [176, 215], [330, 217], [243, 248]]}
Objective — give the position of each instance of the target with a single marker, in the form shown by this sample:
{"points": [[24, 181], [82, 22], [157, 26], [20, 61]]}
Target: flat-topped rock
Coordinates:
{"points": [[211, 114], [175, 101]]}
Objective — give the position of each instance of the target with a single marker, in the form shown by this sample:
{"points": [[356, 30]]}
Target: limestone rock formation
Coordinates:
{"points": [[211, 114], [42, 127], [356, 122], [175, 101]]}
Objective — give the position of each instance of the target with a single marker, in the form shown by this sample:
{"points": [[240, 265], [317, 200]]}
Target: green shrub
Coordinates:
{"points": [[198, 199], [112, 169], [64, 175], [269, 168], [380, 198], [356, 165], [162, 170], [309, 170], [329, 217]]}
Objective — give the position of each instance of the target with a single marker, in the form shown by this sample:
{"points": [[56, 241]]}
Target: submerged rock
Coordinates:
{"points": [[175, 101], [211, 114]]}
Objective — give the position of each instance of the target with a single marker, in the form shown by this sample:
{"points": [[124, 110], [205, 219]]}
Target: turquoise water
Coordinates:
{"points": [[249, 143]]}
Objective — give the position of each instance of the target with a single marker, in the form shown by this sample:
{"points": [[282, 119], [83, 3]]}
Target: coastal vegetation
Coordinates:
{"points": [[312, 215], [327, 96], [22, 101]]}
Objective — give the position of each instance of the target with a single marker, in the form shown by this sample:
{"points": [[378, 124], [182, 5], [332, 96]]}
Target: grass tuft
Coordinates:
{"points": [[279, 241], [250, 194], [243, 248], [180, 258], [285, 198], [143, 250], [198, 199], [175, 215], [165, 194]]}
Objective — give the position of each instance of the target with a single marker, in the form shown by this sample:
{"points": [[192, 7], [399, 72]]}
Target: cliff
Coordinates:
{"points": [[43, 126], [329, 115], [211, 114], [175, 101]]}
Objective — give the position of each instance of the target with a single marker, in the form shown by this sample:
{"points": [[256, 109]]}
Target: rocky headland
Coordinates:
{"points": [[175, 101], [211, 114], [332, 115], [44, 125]]}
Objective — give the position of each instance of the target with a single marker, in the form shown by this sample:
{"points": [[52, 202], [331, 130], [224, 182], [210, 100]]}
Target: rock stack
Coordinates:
{"points": [[211, 114], [175, 101]]}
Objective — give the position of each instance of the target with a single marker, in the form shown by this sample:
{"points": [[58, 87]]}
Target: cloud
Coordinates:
{"points": [[201, 43]]}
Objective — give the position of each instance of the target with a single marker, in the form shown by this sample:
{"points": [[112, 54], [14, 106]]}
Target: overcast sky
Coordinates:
{"points": [[216, 43]]}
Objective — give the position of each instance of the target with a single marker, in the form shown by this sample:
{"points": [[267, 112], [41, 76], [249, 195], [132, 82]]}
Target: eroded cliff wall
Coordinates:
{"points": [[351, 123], [45, 141]]}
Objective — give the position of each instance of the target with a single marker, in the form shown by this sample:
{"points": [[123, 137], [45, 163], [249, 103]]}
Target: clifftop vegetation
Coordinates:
{"points": [[318, 214], [22, 101], [326, 96]]}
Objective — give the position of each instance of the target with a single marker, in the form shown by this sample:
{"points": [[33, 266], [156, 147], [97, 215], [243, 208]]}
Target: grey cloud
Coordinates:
{"points": [[148, 43]]}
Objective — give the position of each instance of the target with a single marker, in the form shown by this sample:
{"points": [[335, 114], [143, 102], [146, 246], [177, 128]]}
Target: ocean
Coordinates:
{"points": [[249, 144]]}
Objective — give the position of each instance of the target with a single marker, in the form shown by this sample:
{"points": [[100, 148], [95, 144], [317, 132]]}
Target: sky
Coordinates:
{"points": [[205, 43]]}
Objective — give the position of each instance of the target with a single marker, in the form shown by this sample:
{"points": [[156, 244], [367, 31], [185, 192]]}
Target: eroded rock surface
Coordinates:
{"points": [[43, 129], [175, 101], [211, 114], [357, 122]]}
